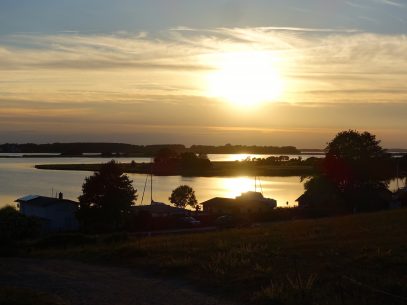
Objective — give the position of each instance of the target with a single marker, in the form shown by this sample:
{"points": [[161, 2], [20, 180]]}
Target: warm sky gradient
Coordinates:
{"points": [[149, 71]]}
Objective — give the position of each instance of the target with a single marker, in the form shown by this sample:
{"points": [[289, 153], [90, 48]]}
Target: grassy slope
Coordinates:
{"points": [[358, 259], [23, 296]]}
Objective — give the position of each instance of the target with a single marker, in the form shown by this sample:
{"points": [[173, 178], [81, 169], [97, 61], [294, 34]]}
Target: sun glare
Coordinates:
{"points": [[245, 78], [236, 186]]}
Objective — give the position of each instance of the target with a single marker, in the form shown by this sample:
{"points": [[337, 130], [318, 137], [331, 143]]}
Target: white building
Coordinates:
{"points": [[57, 214]]}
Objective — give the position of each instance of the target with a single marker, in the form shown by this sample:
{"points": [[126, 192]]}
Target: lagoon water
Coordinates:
{"points": [[18, 178]]}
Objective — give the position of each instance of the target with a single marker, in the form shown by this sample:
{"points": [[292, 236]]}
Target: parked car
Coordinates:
{"points": [[189, 221], [225, 221]]}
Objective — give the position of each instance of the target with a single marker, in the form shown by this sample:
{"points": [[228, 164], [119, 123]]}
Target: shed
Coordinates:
{"points": [[57, 214]]}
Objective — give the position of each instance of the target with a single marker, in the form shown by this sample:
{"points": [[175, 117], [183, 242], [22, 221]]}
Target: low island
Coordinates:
{"points": [[205, 168]]}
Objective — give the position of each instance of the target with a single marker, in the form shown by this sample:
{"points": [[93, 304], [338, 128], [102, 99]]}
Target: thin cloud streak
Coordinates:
{"points": [[392, 3], [154, 83], [180, 52], [322, 60]]}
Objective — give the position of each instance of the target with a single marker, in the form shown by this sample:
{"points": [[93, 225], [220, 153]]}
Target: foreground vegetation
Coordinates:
{"points": [[23, 296], [359, 259]]}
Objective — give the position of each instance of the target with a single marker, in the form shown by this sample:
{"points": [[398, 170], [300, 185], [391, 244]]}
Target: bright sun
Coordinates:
{"points": [[245, 78]]}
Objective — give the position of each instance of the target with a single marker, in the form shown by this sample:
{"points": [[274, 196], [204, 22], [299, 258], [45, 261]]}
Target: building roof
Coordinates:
{"points": [[249, 198], [218, 200], [27, 198], [302, 197], [159, 208], [43, 201], [250, 195]]}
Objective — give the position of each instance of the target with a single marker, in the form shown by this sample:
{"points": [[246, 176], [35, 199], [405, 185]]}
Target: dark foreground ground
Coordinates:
{"points": [[68, 282], [355, 259]]}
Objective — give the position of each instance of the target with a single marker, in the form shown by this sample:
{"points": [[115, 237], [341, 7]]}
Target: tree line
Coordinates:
{"points": [[142, 150], [243, 149]]}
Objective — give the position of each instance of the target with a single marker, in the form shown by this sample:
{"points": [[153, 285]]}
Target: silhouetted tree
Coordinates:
{"points": [[191, 163], [106, 198], [169, 162], [165, 162], [353, 175], [182, 196], [354, 158], [15, 226], [352, 145]]}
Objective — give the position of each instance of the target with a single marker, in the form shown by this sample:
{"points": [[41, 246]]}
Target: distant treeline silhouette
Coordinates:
{"points": [[142, 150], [243, 149]]}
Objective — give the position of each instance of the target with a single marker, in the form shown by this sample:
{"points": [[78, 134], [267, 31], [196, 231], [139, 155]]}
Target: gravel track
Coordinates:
{"points": [[83, 284]]}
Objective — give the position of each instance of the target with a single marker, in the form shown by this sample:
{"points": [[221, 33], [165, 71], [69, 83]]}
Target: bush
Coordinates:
{"points": [[16, 226], [65, 241], [23, 296], [116, 238]]}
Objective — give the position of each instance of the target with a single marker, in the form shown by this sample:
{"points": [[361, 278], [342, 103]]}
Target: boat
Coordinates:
{"points": [[156, 208]]}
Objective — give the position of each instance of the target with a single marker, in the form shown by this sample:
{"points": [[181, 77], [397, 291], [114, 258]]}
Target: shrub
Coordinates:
{"points": [[23, 296], [16, 226], [65, 240]]}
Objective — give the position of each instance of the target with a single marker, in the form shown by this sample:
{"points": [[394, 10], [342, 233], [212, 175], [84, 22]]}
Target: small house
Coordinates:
{"points": [[159, 209], [247, 203], [56, 214]]}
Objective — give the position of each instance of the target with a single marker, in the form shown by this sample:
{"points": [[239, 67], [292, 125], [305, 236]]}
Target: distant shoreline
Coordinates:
{"points": [[119, 155], [218, 169], [68, 149]]}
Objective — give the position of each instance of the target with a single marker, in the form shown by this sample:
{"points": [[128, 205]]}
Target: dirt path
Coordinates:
{"points": [[83, 284]]}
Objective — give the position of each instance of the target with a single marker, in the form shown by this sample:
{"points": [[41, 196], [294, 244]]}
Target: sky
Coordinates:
{"points": [[260, 72]]}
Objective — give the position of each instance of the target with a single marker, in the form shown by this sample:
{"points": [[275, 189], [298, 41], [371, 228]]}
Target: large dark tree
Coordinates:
{"points": [[182, 196], [353, 175], [106, 198], [352, 145], [353, 159]]}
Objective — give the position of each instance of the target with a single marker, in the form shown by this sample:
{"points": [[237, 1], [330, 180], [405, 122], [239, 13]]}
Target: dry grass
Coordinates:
{"points": [[359, 259], [21, 296]]}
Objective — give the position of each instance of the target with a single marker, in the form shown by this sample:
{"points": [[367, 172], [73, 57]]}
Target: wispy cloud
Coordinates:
{"points": [[158, 79], [370, 4], [372, 20], [325, 53], [357, 5], [392, 3]]}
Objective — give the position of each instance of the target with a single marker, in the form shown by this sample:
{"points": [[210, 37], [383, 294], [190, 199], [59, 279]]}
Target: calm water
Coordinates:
{"points": [[18, 177]]}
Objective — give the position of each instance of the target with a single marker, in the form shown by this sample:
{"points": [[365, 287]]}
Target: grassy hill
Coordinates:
{"points": [[360, 259]]}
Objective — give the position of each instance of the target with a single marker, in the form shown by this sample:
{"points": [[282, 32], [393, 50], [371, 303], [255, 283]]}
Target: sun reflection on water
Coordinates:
{"points": [[286, 190], [233, 187]]}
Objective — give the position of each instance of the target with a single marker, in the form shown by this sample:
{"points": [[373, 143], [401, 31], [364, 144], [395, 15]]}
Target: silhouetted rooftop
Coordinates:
{"points": [[43, 200], [159, 208]]}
